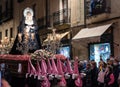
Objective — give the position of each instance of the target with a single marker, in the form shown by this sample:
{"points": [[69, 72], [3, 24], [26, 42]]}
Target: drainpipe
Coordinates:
{"points": [[47, 13], [85, 13]]}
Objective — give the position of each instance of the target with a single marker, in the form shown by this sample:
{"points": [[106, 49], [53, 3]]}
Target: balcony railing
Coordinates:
{"points": [[61, 17], [57, 18]]}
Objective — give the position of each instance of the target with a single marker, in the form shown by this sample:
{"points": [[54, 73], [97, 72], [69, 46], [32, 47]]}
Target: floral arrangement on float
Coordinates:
{"points": [[44, 54], [46, 71], [41, 54]]}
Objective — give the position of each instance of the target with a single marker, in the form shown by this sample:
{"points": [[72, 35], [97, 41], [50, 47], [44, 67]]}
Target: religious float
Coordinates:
{"points": [[23, 61]]}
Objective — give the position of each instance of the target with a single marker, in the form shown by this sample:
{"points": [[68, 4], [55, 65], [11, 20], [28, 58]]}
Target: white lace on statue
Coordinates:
{"points": [[28, 14], [28, 28]]}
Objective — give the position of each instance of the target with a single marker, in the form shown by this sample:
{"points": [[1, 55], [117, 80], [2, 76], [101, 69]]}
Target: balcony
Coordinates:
{"points": [[97, 18], [59, 19], [61, 16]]}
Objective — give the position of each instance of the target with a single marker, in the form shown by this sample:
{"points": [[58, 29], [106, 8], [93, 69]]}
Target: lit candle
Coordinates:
{"points": [[57, 37], [19, 37], [6, 38], [27, 29], [48, 37], [2, 41], [0, 45], [32, 36], [26, 36], [12, 39], [7, 41], [51, 37]]}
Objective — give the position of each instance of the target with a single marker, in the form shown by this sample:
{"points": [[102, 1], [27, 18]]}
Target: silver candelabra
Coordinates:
{"points": [[53, 41]]}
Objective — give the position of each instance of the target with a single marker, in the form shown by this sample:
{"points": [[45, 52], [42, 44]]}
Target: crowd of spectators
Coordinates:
{"points": [[105, 75]]}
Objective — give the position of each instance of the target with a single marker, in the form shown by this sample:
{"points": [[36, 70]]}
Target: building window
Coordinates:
{"points": [[19, 1], [7, 12], [6, 5], [95, 7], [0, 9], [0, 12], [11, 32], [6, 33], [65, 4], [0, 35]]}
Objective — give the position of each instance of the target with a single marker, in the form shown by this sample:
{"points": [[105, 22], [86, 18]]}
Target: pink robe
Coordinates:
{"points": [[78, 81], [60, 72], [45, 82]]}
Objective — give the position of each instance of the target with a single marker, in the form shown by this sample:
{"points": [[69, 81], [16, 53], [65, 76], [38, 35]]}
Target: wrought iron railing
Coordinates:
{"points": [[61, 16], [58, 17]]}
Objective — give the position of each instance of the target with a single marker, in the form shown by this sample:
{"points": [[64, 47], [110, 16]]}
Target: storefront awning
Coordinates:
{"points": [[88, 35]]}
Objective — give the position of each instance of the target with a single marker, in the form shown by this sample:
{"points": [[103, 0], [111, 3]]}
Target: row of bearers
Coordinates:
{"points": [[53, 73]]}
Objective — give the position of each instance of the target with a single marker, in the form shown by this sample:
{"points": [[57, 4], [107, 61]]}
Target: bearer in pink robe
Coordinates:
{"points": [[45, 82], [62, 82], [78, 81]]}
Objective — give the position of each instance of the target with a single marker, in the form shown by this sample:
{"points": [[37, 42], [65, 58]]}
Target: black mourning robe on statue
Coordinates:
{"points": [[33, 45]]}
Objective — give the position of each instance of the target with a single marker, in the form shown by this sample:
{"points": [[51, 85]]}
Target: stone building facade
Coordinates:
{"points": [[64, 15]]}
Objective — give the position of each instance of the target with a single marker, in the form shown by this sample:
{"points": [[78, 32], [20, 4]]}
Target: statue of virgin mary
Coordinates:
{"points": [[27, 39]]}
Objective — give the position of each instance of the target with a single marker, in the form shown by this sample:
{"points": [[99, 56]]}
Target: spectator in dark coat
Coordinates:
{"points": [[94, 74], [116, 71], [88, 78]]}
